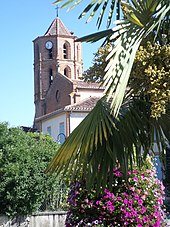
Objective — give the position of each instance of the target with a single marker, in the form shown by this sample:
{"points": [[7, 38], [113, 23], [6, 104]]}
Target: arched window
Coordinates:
{"points": [[65, 54], [50, 76], [57, 96], [78, 73], [78, 53], [67, 72], [50, 54], [66, 50]]}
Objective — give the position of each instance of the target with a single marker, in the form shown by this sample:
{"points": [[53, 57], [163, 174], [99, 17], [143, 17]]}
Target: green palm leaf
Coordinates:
{"points": [[115, 132], [127, 38], [92, 131], [101, 141], [142, 18], [96, 36], [93, 7]]}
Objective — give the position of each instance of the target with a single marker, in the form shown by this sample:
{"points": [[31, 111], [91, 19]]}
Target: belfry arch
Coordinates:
{"points": [[66, 50], [67, 72]]}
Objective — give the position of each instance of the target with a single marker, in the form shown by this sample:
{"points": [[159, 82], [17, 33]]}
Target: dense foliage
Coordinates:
{"points": [[135, 203], [24, 187], [96, 72], [151, 76]]}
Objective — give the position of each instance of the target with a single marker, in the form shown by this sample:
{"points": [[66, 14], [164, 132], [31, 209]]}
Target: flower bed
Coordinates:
{"points": [[136, 202]]}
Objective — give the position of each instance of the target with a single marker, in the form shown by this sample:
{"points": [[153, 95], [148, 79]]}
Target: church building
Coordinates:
{"points": [[61, 98]]}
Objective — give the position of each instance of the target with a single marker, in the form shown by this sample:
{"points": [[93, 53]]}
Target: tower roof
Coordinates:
{"points": [[57, 28]]}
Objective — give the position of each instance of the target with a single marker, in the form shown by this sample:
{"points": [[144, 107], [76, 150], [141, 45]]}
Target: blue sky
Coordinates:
{"points": [[21, 22]]}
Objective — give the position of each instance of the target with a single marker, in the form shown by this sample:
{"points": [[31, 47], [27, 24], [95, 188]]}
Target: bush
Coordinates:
{"points": [[136, 202], [24, 186]]}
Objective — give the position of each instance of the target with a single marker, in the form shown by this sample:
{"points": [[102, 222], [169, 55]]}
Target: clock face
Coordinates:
{"points": [[48, 45]]}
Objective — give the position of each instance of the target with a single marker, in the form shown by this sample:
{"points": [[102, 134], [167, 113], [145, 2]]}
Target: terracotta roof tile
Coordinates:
{"points": [[85, 105], [58, 28], [82, 84]]}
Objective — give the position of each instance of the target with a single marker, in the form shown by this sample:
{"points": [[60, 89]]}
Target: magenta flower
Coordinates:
{"points": [[138, 220], [125, 194], [109, 203], [130, 201], [136, 197], [138, 203], [143, 197], [145, 218], [119, 198], [97, 202], [135, 179], [86, 200], [125, 201], [143, 210], [118, 173], [139, 225], [159, 201], [132, 189]]}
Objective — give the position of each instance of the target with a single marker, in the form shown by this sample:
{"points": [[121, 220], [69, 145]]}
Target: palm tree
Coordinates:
{"points": [[119, 129]]}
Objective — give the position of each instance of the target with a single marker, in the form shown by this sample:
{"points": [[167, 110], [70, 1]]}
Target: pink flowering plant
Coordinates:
{"points": [[136, 202]]}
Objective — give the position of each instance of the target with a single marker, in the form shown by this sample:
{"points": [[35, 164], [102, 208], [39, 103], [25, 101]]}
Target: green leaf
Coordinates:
{"points": [[87, 8], [96, 36]]}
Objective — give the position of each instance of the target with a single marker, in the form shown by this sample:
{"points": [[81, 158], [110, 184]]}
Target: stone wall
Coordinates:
{"points": [[48, 219], [42, 219]]}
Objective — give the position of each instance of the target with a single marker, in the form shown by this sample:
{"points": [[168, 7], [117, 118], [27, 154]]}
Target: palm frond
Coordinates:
{"points": [[142, 18], [101, 141], [114, 132], [91, 132], [93, 7], [139, 23], [67, 2], [96, 36]]}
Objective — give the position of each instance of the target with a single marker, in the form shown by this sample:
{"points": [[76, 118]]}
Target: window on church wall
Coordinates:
{"points": [[61, 136], [78, 53], [78, 73], [50, 77], [57, 96], [67, 72], [50, 54], [49, 130], [66, 50]]}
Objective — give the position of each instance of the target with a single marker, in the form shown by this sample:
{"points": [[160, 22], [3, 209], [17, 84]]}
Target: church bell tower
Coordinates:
{"points": [[55, 53]]}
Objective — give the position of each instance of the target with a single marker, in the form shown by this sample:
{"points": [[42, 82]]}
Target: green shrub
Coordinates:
{"points": [[24, 186]]}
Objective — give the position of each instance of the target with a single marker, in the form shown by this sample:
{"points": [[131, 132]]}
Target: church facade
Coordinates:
{"points": [[61, 98]]}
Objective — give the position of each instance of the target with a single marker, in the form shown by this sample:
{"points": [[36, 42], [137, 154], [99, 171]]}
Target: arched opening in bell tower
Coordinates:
{"points": [[50, 77], [67, 72], [66, 50]]}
